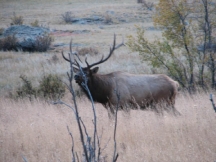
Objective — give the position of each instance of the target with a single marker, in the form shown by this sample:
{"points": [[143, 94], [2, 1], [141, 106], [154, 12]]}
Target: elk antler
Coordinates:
{"points": [[72, 53], [112, 49]]}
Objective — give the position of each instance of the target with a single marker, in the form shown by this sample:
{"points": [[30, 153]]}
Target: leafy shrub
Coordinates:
{"points": [[16, 20], [8, 43], [26, 90], [42, 43], [87, 50], [51, 87], [67, 17]]}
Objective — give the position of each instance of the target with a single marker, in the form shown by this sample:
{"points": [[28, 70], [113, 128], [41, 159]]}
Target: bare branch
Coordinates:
{"points": [[115, 156], [72, 147], [212, 101]]}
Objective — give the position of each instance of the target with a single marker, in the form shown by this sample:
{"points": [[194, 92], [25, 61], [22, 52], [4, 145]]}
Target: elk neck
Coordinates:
{"points": [[100, 87]]}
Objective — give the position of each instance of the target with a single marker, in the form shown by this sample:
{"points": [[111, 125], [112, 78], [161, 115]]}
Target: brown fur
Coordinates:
{"points": [[135, 91]]}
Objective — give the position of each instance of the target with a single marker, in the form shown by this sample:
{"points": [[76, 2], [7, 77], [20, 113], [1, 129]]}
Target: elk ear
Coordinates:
{"points": [[95, 70]]}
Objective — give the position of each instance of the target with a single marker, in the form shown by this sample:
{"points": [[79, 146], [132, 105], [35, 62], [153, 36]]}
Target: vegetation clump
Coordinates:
{"points": [[8, 43], [67, 17], [50, 87], [88, 50], [187, 42], [16, 20], [42, 43]]}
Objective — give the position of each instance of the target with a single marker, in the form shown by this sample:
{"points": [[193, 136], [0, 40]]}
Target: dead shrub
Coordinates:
{"points": [[54, 59], [67, 17], [35, 23], [87, 51], [146, 5], [8, 43], [1, 31], [108, 19], [42, 43], [16, 20]]}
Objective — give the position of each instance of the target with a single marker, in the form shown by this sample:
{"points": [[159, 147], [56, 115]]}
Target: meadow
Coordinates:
{"points": [[37, 130]]}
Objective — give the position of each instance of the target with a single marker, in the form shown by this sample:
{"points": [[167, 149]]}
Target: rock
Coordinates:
{"points": [[26, 35], [88, 20]]}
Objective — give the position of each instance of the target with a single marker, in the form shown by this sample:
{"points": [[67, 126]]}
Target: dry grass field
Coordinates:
{"points": [[38, 130]]}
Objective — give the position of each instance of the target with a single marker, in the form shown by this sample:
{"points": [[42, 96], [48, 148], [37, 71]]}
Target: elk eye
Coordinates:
{"points": [[76, 77]]}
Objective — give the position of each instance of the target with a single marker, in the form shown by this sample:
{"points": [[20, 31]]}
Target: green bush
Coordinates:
{"points": [[51, 87], [26, 90]]}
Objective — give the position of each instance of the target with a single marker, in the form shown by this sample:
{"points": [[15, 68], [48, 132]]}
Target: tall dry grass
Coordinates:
{"points": [[38, 132]]}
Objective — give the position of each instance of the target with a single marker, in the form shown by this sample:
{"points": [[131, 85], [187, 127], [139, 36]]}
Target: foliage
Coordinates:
{"points": [[177, 51], [16, 20], [8, 43], [51, 87], [159, 54], [26, 90]]}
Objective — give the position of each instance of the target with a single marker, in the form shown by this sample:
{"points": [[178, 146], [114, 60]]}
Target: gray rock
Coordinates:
{"points": [[88, 20], [26, 35]]}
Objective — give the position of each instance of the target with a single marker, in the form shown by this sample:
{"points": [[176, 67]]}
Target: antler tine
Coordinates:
{"points": [[68, 59], [71, 54], [86, 62], [112, 49], [122, 44], [74, 53]]}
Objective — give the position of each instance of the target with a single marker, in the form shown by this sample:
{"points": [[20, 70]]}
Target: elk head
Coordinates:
{"points": [[84, 74]]}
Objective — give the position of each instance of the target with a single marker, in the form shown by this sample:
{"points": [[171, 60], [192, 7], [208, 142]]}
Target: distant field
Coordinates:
{"points": [[37, 130]]}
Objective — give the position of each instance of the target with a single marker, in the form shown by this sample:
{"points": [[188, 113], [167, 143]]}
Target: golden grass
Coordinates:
{"points": [[38, 132]]}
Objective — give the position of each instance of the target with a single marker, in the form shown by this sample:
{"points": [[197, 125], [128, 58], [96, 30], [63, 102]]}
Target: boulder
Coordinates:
{"points": [[27, 36]]}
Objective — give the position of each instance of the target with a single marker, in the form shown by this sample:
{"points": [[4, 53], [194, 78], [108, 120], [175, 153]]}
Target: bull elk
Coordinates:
{"points": [[136, 91]]}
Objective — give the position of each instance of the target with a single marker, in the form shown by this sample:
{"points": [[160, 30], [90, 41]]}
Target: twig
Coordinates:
{"points": [[115, 156], [72, 147], [212, 101], [24, 159]]}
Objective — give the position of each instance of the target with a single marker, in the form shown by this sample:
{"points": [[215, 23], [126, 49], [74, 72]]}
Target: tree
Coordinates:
{"points": [[205, 16], [177, 51]]}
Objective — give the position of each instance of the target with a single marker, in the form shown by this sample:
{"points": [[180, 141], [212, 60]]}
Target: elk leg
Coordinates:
{"points": [[171, 108]]}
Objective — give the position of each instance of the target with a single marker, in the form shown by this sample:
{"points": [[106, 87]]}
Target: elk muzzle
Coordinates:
{"points": [[78, 79]]}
